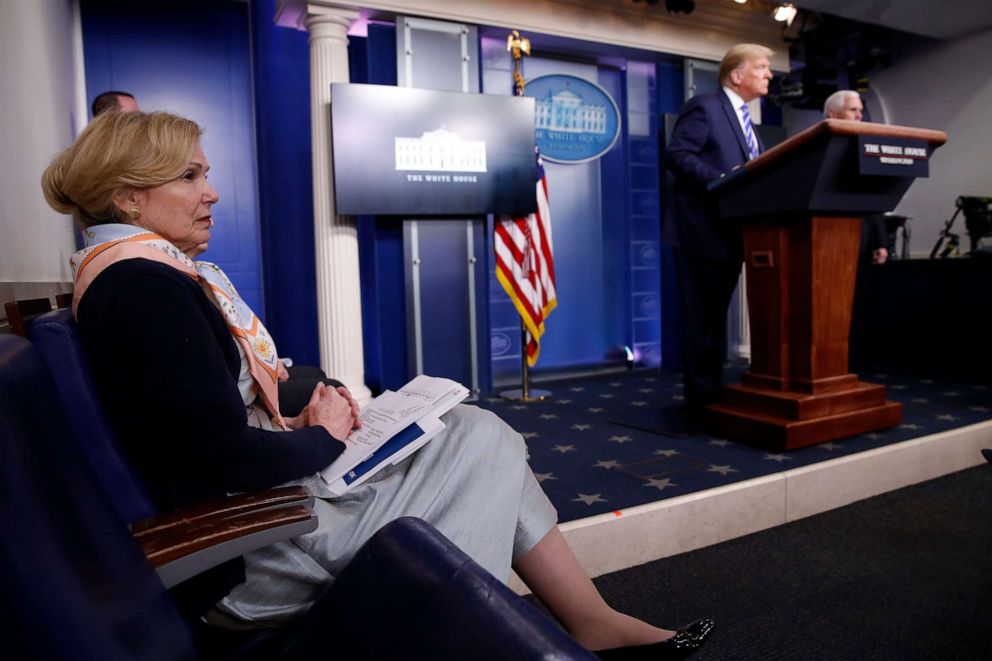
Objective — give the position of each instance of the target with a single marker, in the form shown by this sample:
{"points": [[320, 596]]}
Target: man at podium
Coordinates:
{"points": [[713, 136]]}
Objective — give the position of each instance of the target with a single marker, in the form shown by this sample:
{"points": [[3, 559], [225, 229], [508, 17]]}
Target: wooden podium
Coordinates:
{"points": [[801, 205]]}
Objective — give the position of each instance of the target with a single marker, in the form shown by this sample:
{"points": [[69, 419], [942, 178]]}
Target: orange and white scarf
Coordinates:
{"points": [[111, 243]]}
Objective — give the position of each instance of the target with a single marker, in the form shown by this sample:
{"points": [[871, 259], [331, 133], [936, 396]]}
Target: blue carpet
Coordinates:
{"points": [[588, 465]]}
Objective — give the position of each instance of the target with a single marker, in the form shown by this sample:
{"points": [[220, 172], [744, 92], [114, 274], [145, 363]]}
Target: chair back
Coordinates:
{"points": [[56, 336], [73, 585]]}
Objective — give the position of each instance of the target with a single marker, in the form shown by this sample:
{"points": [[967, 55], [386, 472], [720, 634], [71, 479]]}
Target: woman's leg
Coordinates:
{"points": [[554, 574]]}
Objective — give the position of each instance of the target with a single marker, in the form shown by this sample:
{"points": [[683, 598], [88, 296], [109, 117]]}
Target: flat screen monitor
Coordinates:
{"points": [[417, 152]]}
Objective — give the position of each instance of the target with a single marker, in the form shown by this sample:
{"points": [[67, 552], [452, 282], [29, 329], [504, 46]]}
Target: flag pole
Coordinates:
{"points": [[518, 47], [525, 393]]}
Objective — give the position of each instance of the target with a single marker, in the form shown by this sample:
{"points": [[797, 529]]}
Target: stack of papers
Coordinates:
{"points": [[394, 426]]}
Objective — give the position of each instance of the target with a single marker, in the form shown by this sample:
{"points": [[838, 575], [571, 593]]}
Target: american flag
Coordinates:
{"points": [[525, 265]]}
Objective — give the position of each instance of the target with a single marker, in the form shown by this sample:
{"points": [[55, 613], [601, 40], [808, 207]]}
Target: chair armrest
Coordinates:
{"points": [[183, 551], [220, 509]]}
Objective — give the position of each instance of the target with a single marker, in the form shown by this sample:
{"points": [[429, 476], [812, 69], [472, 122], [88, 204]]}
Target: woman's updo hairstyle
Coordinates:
{"points": [[118, 152]]}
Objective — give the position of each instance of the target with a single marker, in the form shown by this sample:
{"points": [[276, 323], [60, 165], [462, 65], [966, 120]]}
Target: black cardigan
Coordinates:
{"points": [[166, 368]]}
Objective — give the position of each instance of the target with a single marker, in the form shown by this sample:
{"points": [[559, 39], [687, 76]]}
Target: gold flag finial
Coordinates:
{"points": [[518, 47]]}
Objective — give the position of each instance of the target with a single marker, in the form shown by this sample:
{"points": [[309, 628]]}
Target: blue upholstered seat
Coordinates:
{"points": [[56, 337]]}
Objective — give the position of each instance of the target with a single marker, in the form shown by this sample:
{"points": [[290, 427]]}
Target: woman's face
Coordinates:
{"points": [[180, 209]]}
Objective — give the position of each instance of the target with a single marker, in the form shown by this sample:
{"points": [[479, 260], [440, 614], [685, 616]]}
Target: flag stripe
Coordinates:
{"points": [[525, 265]]}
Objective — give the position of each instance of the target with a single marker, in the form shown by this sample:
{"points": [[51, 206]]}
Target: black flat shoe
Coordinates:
{"points": [[685, 641]]}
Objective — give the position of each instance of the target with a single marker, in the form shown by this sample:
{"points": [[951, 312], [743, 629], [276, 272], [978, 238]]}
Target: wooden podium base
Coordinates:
{"points": [[785, 420]]}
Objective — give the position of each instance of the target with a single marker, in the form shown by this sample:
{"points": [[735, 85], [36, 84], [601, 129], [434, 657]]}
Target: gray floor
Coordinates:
{"points": [[906, 575]]}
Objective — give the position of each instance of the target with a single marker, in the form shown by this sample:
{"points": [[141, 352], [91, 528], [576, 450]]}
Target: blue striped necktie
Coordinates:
{"points": [[752, 141]]}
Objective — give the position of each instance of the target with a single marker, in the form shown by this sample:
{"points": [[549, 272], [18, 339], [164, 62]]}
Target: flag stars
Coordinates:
{"points": [[722, 442], [607, 395], [639, 403], [722, 470], [678, 398], [661, 484], [595, 409], [952, 393], [607, 463], [645, 390], [547, 416], [581, 427], [589, 499], [563, 401], [563, 448], [666, 453], [577, 389], [620, 439]]}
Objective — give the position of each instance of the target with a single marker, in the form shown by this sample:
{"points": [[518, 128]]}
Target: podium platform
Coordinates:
{"points": [[801, 204]]}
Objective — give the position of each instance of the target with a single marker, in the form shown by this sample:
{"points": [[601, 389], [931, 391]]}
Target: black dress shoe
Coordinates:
{"points": [[988, 455], [685, 641]]}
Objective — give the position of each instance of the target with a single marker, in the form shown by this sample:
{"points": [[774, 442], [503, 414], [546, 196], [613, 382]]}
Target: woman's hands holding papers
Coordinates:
{"points": [[333, 409]]}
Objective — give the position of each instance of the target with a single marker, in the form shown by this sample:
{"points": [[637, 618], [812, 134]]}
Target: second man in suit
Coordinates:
{"points": [[713, 136]]}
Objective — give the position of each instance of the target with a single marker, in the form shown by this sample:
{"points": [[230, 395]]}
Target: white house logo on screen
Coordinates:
{"points": [[440, 151]]}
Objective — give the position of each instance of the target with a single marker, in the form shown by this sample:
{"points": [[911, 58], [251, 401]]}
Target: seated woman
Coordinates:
{"points": [[189, 376]]}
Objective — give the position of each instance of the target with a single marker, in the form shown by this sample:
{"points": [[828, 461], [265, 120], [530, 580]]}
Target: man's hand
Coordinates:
{"points": [[282, 374]]}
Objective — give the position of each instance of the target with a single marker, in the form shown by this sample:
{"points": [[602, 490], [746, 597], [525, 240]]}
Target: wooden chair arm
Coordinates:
{"points": [[181, 551], [224, 508]]}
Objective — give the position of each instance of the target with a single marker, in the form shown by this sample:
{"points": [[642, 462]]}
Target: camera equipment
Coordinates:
{"points": [[978, 224]]}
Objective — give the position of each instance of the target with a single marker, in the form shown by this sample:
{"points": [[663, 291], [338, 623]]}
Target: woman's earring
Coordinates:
{"points": [[134, 213]]}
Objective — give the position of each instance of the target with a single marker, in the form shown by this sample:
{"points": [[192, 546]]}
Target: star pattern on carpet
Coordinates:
{"points": [[581, 427], [638, 403], [722, 470], [678, 398], [589, 499], [568, 461], [910, 425], [898, 386], [661, 484], [607, 395], [948, 417], [548, 416], [721, 442], [563, 401], [952, 393]]}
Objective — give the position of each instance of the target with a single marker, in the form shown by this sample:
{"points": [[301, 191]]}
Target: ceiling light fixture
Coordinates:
{"points": [[785, 13], [741, 2]]}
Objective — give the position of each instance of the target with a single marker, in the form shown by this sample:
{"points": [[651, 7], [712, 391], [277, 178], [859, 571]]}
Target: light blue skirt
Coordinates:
{"points": [[471, 482]]}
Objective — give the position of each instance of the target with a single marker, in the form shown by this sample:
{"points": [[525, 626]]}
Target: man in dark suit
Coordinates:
{"points": [[713, 136]]}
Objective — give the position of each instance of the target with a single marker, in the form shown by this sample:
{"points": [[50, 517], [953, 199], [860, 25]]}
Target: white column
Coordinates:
{"points": [[339, 305]]}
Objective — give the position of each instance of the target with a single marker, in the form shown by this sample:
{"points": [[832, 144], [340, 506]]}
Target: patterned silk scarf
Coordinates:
{"points": [[111, 243]]}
